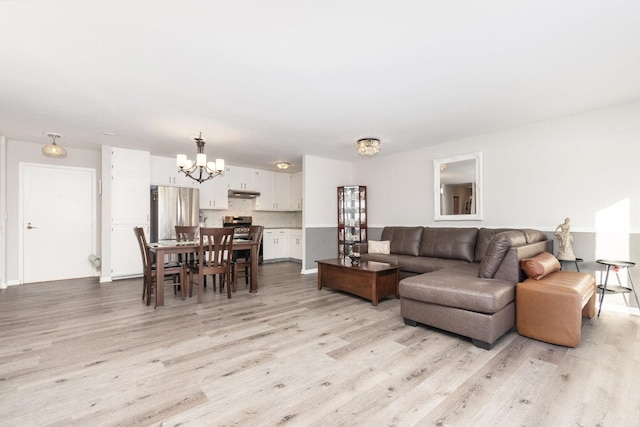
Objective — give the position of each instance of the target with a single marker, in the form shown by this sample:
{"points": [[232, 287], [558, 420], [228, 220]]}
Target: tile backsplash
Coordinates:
{"points": [[244, 207]]}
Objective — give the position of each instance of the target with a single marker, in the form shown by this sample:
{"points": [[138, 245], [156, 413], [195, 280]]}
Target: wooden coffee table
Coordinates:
{"points": [[371, 280]]}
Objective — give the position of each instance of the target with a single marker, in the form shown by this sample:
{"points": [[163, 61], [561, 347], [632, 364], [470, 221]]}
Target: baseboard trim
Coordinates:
{"points": [[11, 283]]}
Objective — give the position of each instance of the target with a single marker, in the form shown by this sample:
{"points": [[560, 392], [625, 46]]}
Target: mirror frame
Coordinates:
{"points": [[479, 189]]}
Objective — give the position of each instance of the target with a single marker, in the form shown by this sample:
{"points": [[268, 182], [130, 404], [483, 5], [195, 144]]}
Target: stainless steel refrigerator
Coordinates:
{"points": [[171, 206]]}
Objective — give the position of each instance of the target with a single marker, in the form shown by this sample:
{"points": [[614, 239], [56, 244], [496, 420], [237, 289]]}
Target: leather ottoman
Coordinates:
{"points": [[551, 309]]}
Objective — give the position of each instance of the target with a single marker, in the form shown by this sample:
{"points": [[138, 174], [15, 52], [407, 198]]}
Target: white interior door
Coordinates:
{"points": [[58, 222]]}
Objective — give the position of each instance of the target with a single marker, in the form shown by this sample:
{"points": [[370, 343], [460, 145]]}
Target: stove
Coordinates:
{"points": [[240, 223]]}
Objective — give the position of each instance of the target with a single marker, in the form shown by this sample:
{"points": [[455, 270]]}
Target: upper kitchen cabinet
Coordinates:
{"points": [[241, 178], [296, 191], [275, 191], [264, 184], [165, 172], [282, 191], [214, 193]]}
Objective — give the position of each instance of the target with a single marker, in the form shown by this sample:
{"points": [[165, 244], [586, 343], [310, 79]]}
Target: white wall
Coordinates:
{"points": [[18, 151], [585, 166], [321, 180], [580, 166]]}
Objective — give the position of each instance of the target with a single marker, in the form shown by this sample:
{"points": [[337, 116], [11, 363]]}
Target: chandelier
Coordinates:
{"points": [[53, 149], [201, 170], [368, 146]]}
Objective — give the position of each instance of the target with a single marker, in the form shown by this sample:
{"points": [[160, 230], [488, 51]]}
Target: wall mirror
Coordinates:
{"points": [[457, 190]]}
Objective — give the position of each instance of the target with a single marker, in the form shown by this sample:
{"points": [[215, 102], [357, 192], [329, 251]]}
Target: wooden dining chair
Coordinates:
{"points": [[214, 258], [187, 233], [149, 277], [242, 264]]}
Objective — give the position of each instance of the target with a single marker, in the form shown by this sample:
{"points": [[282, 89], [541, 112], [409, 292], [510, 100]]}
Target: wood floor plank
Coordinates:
{"points": [[79, 352]]}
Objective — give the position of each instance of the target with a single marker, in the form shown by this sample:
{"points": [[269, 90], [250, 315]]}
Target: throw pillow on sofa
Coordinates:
{"points": [[404, 240], [540, 265], [379, 247]]}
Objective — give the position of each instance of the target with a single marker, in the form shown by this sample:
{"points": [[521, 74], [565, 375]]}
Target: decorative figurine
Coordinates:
{"points": [[565, 241]]}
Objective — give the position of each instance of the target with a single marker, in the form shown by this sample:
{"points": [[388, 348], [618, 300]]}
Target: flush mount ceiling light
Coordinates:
{"points": [[283, 165], [368, 146], [53, 149], [201, 170]]}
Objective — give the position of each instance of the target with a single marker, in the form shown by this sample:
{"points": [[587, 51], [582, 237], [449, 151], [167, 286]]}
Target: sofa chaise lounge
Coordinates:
{"points": [[461, 280]]}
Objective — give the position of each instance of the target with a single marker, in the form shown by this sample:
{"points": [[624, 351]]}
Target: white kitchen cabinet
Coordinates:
{"points": [[241, 178], [296, 191], [165, 172], [275, 191], [125, 252], [129, 198], [264, 181], [295, 244], [265, 185], [161, 173], [214, 194], [282, 191], [275, 244]]}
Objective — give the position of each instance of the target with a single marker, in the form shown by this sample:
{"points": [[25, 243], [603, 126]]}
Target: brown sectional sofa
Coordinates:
{"points": [[461, 280]]}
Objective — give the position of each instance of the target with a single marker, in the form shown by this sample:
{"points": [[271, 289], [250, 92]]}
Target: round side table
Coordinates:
{"points": [[616, 265]]}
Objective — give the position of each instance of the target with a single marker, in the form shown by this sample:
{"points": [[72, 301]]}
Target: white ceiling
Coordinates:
{"points": [[269, 81]]}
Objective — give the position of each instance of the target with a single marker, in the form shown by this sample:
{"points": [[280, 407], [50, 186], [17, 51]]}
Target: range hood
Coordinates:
{"points": [[243, 194]]}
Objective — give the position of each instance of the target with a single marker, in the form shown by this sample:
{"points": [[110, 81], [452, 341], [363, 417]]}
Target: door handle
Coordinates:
{"points": [[29, 226]]}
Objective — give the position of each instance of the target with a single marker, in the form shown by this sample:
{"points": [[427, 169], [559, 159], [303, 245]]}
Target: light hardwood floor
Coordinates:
{"points": [[82, 353]]}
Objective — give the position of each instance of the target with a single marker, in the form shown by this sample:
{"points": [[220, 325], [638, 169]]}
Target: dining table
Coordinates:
{"points": [[169, 247]]}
